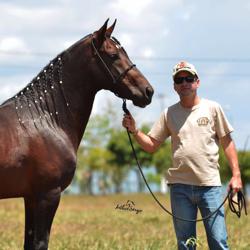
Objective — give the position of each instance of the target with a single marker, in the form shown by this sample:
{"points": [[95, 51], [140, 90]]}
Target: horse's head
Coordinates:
{"points": [[112, 67]]}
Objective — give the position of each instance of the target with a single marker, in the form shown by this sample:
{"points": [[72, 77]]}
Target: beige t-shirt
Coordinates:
{"points": [[195, 137]]}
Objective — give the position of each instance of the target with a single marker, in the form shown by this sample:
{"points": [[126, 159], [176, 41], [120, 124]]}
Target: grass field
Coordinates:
{"points": [[85, 222]]}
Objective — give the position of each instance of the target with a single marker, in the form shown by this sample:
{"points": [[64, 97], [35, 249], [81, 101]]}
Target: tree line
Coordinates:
{"points": [[105, 150]]}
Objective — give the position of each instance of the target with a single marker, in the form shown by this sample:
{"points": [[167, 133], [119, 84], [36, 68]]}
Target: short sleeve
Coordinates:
{"points": [[160, 131], [222, 126]]}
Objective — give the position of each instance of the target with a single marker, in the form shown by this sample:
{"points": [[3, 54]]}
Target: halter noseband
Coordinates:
{"points": [[115, 79]]}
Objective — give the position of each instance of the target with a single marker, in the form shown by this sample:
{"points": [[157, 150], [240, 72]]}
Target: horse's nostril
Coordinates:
{"points": [[149, 92]]}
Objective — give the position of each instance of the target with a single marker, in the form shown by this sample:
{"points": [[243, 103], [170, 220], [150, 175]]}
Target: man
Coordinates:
{"points": [[196, 127]]}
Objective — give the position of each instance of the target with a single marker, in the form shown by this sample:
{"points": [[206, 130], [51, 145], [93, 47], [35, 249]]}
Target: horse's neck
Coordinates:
{"points": [[80, 103]]}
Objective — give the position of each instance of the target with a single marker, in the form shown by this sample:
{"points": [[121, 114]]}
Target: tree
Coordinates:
{"points": [[225, 171], [145, 159], [244, 162], [120, 162], [162, 158], [92, 154], [123, 156]]}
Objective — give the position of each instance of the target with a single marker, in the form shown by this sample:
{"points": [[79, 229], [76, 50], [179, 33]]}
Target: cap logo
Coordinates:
{"points": [[181, 65]]}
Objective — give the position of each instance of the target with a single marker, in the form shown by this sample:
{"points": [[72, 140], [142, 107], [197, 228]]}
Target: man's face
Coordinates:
{"points": [[185, 84]]}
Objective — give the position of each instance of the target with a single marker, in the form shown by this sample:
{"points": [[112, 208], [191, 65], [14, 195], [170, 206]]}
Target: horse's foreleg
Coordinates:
{"points": [[44, 212], [29, 223]]}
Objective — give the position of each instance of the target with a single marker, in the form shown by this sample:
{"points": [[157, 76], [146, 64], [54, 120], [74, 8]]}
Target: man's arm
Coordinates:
{"points": [[231, 155], [147, 143]]}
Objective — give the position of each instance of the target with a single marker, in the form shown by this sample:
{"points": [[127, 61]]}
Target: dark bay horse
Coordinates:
{"points": [[41, 127]]}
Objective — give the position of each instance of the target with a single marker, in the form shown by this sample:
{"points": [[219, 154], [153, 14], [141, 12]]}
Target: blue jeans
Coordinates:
{"points": [[185, 201]]}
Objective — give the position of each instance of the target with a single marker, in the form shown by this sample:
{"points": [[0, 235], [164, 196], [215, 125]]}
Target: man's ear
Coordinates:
{"points": [[100, 35], [198, 82], [174, 87]]}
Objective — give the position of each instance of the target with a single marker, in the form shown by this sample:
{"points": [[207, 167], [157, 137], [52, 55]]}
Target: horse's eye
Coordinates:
{"points": [[114, 56]]}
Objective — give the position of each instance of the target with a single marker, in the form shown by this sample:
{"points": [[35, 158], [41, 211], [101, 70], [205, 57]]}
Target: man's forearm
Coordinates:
{"points": [[146, 142], [231, 155]]}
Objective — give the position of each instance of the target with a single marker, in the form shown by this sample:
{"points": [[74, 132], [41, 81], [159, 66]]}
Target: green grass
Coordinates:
{"points": [[85, 222]]}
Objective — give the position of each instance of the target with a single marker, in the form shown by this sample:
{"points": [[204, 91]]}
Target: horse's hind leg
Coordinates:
{"points": [[43, 212]]}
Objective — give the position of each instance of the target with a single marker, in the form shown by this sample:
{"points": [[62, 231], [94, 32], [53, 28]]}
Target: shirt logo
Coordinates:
{"points": [[203, 121]]}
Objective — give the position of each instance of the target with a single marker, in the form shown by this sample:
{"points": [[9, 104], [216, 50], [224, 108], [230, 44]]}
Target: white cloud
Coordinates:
{"points": [[248, 5], [31, 13], [147, 52], [13, 50], [165, 32], [12, 84], [210, 74], [131, 7], [126, 39], [186, 16], [13, 44]]}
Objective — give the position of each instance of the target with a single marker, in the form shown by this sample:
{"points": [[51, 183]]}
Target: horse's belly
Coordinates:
{"points": [[13, 182], [31, 179]]}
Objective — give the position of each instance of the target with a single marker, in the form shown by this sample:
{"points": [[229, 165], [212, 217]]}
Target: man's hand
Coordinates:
{"points": [[235, 184], [147, 143], [128, 122]]}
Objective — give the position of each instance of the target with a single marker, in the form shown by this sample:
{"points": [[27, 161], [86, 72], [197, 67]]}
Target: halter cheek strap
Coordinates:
{"points": [[115, 79]]}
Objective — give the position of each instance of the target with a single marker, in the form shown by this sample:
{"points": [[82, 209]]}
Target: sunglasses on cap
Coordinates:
{"points": [[189, 79]]}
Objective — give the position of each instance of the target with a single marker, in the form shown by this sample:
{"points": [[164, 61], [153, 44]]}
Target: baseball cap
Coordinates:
{"points": [[184, 66]]}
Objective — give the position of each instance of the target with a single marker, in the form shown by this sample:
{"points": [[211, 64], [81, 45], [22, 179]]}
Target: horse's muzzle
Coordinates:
{"points": [[149, 93]]}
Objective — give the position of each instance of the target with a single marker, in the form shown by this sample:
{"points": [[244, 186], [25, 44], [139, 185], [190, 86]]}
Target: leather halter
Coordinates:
{"points": [[115, 79]]}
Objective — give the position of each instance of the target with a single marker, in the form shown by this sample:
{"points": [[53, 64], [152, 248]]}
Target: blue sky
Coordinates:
{"points": [[213, 35]]}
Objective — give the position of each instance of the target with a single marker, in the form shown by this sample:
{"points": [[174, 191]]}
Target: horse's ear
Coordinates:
{"points": [[100, 34], [110, 29]]}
